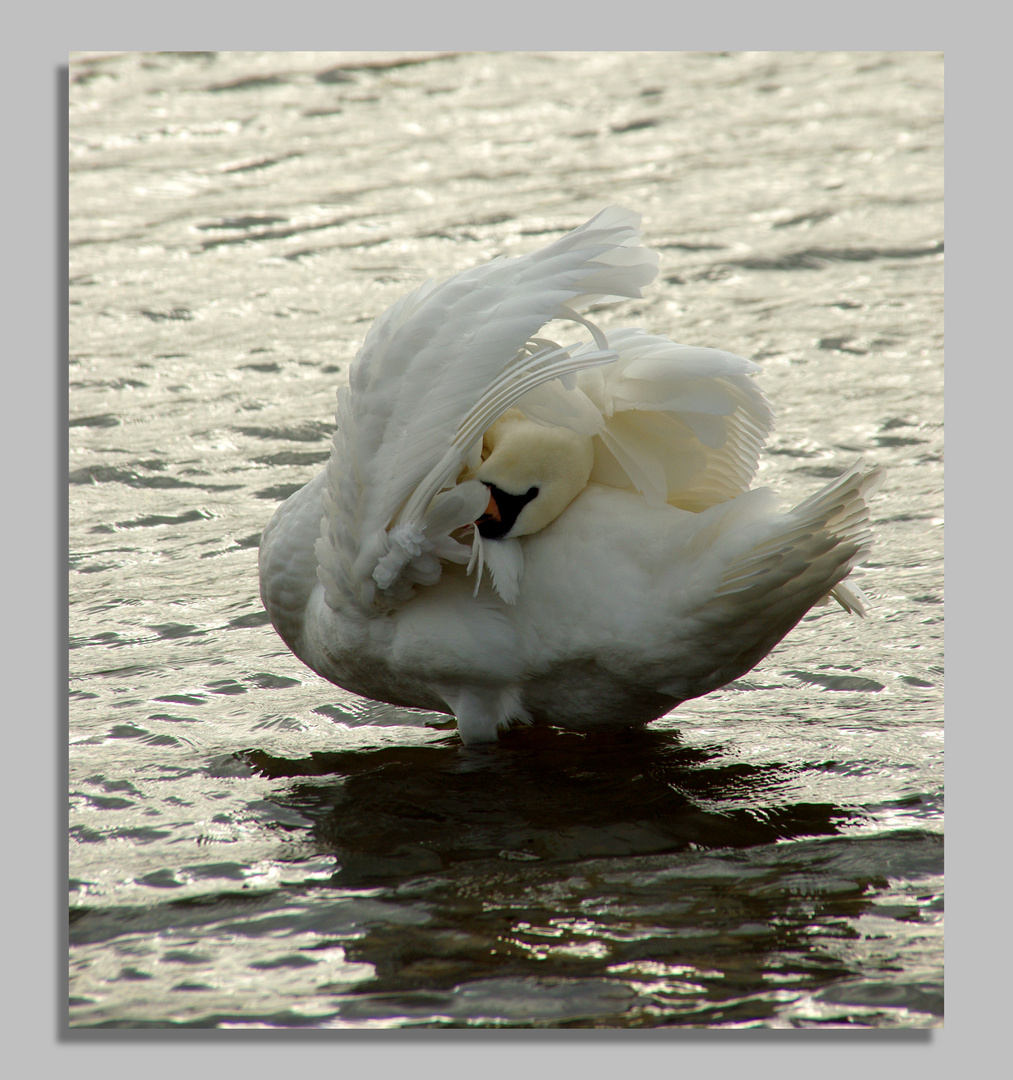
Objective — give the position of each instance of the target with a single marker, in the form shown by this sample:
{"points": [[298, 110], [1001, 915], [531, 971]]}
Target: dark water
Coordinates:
{"points": [[251, 846]]}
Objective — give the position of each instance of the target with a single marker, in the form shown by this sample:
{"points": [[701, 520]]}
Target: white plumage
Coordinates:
{"points": [[620, 564]]}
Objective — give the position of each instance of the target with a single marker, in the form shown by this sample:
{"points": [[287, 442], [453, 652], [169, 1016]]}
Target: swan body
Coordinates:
{"points": [[512, 530]]}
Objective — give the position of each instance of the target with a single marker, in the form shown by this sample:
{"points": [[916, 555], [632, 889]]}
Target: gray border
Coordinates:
{"points": [[36, 180]]}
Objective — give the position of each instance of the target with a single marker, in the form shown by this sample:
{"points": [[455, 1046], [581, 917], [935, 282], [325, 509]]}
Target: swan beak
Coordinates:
{"points": [[491, 511]]}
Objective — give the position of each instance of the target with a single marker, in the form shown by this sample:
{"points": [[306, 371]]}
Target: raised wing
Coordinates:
{"points": [[434, 372]]}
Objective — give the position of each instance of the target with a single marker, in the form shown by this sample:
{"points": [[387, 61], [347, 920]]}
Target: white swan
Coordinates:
{"points": [[509, 529]]}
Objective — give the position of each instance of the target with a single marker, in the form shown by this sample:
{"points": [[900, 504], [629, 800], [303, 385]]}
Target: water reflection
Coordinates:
{"points": [[625, 880], [556, 880], [542, 795]]}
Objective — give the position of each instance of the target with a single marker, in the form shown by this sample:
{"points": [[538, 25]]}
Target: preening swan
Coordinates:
{"points": [[509, 529]]}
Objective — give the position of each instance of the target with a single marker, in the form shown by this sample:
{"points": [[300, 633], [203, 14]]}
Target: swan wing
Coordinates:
{"points": [[434, 372], [681, 424]]}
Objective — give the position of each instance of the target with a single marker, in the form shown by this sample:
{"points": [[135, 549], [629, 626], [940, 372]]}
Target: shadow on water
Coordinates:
{"points": [[539, 795], [556, 880]]}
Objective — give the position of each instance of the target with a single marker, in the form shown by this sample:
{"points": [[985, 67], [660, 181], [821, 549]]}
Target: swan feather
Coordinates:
{"points": [[639, 567]]}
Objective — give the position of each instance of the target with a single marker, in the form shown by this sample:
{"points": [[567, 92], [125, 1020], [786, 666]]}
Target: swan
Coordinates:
{"points": [[512, 530]]}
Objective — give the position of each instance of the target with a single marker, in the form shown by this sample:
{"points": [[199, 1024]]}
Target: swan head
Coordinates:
{"points": [[533, 473]]}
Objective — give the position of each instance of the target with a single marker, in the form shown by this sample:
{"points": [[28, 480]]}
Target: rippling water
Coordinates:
{"points": [[251, 846]]}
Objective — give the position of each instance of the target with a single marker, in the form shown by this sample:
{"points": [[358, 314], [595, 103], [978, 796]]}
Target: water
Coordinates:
{"points": [[251, 846]]}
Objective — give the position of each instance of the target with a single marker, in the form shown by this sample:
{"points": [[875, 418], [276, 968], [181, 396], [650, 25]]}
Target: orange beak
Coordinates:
{"points": [[491, 511]]}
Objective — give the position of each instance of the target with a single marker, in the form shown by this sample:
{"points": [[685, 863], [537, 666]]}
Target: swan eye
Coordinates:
{"points": [[501, 513]]}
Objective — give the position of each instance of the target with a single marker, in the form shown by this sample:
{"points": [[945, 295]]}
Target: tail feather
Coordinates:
{"points": [[804, 557], [829, 532]]}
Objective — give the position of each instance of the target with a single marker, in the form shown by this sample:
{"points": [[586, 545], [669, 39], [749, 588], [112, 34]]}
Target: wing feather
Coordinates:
{"points": [[681, 424], [434, 371]]}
